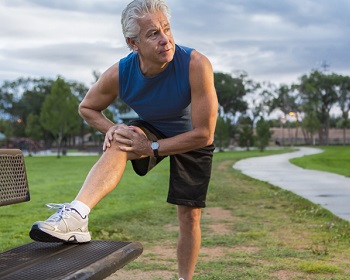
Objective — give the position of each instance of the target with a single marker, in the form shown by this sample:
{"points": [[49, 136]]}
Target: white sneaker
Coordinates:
{"points": [[66, 225]]}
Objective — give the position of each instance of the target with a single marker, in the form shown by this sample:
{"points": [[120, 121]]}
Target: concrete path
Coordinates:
{"points": [[329, 190]]}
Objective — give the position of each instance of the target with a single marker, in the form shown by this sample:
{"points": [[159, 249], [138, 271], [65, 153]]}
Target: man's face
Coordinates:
{"points": [[156, 44]]}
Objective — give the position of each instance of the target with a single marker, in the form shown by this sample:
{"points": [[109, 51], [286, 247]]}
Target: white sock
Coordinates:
{"points": [[82, 208]]}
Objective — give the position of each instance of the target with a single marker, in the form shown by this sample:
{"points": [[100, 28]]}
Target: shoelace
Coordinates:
{"points": [[62, 211]]}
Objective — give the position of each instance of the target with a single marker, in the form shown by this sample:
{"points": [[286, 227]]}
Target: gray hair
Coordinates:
{"points": [[138, 9]]}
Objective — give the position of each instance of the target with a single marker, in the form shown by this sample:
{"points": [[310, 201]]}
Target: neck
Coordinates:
{"points": [[150, 70]]}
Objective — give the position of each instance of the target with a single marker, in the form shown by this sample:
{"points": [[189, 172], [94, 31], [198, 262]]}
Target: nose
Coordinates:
{"points": [[164, 38]]}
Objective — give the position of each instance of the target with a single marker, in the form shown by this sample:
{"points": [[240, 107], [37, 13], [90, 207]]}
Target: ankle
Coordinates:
{"points": [[81, 207]]}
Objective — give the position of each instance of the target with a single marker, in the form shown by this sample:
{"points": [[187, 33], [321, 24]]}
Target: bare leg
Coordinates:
{"points": [[189, 240], [104, 176]]}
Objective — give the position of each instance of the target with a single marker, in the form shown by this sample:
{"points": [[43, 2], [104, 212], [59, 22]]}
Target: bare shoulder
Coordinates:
{"points": [[103, 92], [108, 83], [199, 61], [201, 72]]}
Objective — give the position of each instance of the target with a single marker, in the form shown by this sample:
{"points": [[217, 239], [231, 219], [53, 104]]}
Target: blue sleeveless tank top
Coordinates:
{"points": [[164, 100]]}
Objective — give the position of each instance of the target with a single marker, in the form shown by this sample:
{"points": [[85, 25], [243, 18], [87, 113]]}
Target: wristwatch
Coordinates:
{"points": [[155, 147]]}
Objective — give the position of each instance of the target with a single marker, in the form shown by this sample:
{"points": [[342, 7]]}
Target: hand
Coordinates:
{"points": [[134, 140], [109, 135]]}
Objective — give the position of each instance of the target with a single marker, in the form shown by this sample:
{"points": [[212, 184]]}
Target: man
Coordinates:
{"points": [[172, 90]]}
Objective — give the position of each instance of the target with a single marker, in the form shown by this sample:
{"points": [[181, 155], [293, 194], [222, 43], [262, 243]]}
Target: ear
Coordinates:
{"points": [[132, 44]]}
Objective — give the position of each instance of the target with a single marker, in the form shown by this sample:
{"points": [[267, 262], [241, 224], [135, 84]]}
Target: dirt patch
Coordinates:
{"points": [[282, 275], [217, 213], [218, 221], [223, 165], [156, 256], [287, 275], [247, 249], [138, 275]]}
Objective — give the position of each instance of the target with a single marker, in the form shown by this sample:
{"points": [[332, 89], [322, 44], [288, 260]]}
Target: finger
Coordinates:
{"points": [[133, 128], [109, 135], [123, 140], [123, 133], [106, 145], [125, 148], [120, 128]]}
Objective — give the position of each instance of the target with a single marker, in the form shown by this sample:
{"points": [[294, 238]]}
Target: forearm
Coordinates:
{"points": [[96, 119], [134, 140], [185, 142]]}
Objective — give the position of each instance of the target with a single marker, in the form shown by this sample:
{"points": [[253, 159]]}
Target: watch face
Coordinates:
{"points": [[155, 145]]}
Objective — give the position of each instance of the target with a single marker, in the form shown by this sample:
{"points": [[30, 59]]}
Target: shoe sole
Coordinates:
{"points": [[38, 234]]}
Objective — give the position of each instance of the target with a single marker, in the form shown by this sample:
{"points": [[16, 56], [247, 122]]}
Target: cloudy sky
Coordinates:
{"points": [[271, 40]]}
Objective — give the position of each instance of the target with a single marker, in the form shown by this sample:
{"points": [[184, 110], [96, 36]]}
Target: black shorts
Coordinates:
{"points": [[189, 172]]}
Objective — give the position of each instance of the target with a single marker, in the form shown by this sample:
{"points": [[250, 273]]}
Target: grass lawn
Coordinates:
{"points": [[251, 230], [335, 159]]}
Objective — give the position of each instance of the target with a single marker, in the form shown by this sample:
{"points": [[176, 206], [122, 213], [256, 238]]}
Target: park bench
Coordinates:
{"points": [[36, 260]]}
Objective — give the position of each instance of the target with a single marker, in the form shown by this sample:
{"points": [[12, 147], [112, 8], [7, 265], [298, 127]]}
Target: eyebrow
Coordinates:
{"points": [[156, 28], [152, 29]]}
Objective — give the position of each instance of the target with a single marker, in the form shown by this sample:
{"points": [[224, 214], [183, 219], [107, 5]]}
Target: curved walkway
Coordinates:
{"points": [[329, 190]]}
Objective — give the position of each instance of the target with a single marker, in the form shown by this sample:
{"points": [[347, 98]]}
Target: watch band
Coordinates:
{"points": [[155, 147], [155, 152]]}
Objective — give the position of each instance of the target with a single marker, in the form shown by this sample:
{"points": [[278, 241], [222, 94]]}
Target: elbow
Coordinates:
{"points": [[80, 110], [206, 138], [209, 140]]}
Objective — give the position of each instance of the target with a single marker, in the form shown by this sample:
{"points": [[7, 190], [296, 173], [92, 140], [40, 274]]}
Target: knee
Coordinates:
{"points": [[115, 149], [189, 217], [116, 143]]}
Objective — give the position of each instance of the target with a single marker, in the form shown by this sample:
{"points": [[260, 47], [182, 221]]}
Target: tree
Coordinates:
{"points": [[33, 128], [311, 123], [263, 134], [245, 133], [259, 97], [59, 113], [287, 100], [79, 90], [6, 98], [344, 102], [22, 97], [28, 95], [246, 137], [320, 90], [230, 93], [223, 132]]}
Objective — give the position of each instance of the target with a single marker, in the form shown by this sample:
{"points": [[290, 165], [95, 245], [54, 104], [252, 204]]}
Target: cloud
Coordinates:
{"points": [[275, 41]]}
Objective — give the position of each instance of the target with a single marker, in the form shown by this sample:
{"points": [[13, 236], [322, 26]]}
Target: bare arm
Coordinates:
{"points": [[99, 97], [204, 109]]}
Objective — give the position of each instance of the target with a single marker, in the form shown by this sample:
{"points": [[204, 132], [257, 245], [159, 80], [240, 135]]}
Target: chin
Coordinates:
{"points": [[168, 56]]}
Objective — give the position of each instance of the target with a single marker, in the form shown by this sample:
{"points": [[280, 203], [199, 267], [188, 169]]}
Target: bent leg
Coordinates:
{"points": [[189, 240]]}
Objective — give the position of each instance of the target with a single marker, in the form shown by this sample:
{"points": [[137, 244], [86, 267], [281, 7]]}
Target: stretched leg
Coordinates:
{"points": [[104, 176], [189, 240], [70, 224]]}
